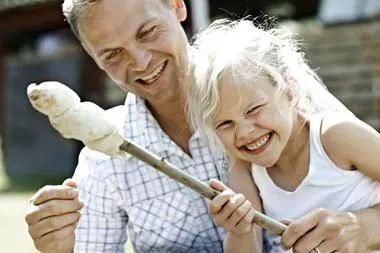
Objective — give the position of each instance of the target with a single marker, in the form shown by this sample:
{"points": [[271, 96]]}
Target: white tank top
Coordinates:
{"points": [[325, 185]]}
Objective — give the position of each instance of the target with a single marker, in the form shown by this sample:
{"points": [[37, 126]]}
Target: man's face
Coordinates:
{"points": [[140, 44]]}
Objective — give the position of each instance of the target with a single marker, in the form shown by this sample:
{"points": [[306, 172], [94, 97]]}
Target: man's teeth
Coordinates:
{"points": [[154, 75], [258, 143]]}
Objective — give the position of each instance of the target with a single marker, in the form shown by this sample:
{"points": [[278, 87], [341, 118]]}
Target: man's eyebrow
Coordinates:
{"points": [[144, 24], [105, 50]]}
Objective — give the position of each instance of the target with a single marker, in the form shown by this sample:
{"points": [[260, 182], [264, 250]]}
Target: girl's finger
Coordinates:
{"points": [[217, 185]]}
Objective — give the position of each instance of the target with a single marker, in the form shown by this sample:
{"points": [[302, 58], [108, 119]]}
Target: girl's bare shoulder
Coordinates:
{"points": [[341, 137]]}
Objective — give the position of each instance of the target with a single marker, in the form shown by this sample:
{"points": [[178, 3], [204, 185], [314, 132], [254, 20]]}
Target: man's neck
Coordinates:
{"points": [[173, 121]]}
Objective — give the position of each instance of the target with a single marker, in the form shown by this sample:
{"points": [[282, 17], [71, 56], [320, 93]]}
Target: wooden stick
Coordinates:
{"points": [[194, 183], [51, 99]]}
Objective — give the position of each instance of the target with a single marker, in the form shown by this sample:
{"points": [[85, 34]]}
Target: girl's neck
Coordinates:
{"points": [[295, 154], [293, 165]]}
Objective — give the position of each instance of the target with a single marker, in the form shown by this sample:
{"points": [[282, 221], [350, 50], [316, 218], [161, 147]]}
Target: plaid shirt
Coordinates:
{"points": [[160, 214]]}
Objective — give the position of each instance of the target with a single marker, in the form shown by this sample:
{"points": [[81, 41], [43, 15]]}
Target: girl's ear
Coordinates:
{"points": [[180, 8]]}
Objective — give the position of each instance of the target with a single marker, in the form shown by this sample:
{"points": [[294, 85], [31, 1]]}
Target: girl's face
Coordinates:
{"points": [[254, 122]]}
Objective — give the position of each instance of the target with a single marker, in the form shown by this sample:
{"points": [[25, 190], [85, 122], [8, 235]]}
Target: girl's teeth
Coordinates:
{"points": [[259, 143]]}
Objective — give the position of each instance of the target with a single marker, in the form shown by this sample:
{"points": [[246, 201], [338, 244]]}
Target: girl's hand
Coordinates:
{"points": [[231, 210]]}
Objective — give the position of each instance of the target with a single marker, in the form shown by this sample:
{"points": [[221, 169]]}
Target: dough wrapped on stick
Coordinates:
{"points": [[84, 121], [90, 124]]}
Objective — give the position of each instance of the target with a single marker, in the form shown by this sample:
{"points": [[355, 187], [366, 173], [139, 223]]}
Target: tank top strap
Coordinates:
{"points": [[316, 147]]}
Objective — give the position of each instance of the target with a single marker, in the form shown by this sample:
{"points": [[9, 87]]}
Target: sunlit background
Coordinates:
{"points": [[341, 38]]}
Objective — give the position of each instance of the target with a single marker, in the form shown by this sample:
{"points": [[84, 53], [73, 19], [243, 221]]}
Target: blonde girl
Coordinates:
{"points": [[296, 152]]}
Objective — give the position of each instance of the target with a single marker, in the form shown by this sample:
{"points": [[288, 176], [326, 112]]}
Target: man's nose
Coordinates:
{"points": [[139, 59]]}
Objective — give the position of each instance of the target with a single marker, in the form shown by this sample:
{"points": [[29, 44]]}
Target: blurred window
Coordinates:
{"points": [[342, 11]]}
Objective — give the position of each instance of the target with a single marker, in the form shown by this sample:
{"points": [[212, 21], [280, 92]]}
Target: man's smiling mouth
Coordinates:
{"points": [[153, 76]]}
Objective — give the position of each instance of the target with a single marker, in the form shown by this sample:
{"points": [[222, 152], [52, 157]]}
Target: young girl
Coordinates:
{"points": [[310, 160]]}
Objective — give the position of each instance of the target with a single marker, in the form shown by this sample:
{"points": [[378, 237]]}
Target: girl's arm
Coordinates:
{"points": [[241, 181], [350, 144], [356, 145]]}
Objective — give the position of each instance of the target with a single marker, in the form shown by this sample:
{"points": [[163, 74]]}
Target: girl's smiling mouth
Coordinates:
{"points": [[259, 145]]}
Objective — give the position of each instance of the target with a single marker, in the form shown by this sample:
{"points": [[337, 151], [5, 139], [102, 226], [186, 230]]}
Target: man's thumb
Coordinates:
{"points": [[70, 182], [217, 185]]}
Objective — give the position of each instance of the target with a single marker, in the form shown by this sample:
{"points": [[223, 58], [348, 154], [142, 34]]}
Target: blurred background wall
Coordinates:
{"points": [[341, 38]]}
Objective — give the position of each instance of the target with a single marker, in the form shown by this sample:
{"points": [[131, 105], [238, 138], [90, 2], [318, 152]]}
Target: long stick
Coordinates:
{"points": [[192, 182], [64, 109]]}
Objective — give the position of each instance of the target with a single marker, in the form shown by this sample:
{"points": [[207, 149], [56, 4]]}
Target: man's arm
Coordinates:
{"points": [[52, 217], [102, 226], [369, 220]]}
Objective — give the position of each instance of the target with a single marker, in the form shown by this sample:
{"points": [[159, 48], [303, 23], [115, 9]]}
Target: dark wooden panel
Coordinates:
{"points": [[37, 17]]}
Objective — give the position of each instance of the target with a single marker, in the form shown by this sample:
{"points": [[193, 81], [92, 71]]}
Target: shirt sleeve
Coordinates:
{"points": [[102, 226]]}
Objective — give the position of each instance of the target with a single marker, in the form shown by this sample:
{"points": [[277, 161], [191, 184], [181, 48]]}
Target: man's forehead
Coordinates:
{"points": [[109, 16]]}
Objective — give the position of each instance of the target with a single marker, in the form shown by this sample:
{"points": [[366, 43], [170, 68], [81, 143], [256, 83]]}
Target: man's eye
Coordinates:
{"points": [[224, 124], [113, 54], [148, 32]]}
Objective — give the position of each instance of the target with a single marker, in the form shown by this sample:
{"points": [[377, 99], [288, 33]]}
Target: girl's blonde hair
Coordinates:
{"points": [[246, 51]]}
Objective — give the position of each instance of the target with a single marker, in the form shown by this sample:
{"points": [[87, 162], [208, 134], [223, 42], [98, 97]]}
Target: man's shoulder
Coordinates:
{"points": [[123, 115], [117, 114], [94, 164]]}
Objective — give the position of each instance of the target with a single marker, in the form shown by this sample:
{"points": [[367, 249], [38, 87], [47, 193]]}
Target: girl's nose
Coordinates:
{"points": [[245, 129]]}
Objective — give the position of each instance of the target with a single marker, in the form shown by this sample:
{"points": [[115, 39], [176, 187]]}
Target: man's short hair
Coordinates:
{"points": [[72, 9]]}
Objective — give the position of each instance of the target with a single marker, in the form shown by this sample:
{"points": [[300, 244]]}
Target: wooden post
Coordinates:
{"points": [[2, 81], [200, 14], [373, 53]]}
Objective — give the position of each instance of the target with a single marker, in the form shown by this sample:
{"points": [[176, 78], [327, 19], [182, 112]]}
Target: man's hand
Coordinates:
{"points": [[52, 217], [330, 231], [231, 210]]}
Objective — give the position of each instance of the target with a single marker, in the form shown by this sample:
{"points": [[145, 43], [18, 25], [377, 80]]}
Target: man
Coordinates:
{"points": [[140, 44]]}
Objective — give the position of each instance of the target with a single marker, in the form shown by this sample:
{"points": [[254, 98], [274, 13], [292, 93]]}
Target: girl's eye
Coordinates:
{"points": [[113, 54], [148, 32], [224, 124], [254, 109]]}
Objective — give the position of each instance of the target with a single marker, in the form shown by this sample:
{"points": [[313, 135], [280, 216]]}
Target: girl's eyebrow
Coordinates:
{"points": [[218, 120], [254, 103]]}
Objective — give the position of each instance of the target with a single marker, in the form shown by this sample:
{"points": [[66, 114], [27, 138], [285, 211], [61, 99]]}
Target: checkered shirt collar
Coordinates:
{"points": [[156, 139]]}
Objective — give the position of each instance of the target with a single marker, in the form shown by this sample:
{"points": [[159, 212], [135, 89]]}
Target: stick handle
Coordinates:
{"points": [[194, 183]]}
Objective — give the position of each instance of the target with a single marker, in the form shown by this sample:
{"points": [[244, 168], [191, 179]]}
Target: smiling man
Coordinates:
{"points": [[142, 46]]}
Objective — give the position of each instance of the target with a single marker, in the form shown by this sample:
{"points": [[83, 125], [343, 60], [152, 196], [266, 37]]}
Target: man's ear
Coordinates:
{"points": [[289, 95], [88, 51], [180, 8]]}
